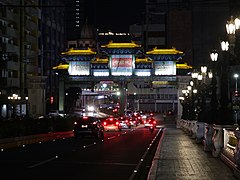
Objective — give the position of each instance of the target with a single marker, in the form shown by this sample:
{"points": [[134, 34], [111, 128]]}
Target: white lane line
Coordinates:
{"points": [[89, 145], [102, 163], [112, 137], [43, 162], [142, 159]]}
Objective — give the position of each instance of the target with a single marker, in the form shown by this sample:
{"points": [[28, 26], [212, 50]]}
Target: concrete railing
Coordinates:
{"points": [[222, 140], [24, 140]]}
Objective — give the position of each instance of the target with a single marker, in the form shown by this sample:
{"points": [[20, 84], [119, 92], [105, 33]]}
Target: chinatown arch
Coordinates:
{"points": [[118, 64]]}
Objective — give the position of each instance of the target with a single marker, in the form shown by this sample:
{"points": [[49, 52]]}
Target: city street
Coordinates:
{"points": [[122, 155]]}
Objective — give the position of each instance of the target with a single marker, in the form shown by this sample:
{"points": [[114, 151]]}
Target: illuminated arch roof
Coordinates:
{"points": [[164, 51], [79, 52], [111, 44], [121, 48], [100, 60], [165, 54], [61, 66], [183, 66], [143, 60]]}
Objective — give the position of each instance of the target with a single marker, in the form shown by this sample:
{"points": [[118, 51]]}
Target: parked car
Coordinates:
{"points": [[88, 126], [112, 124]]}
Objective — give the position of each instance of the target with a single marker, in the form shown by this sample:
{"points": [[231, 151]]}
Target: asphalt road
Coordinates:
{"points": [[122, 155]]}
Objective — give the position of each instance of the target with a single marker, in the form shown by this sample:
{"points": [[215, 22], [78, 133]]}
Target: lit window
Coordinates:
{"points": [[77, 9], [77, 21], [77, 13], [77, 25]]}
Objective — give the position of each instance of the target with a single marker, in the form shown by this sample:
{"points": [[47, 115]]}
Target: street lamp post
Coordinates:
{"points": [[14, 98], [236, 84], [214, 100], [27, 112]]}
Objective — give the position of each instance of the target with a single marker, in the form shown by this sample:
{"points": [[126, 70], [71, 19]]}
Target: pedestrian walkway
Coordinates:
{"points": [[178, 157]]}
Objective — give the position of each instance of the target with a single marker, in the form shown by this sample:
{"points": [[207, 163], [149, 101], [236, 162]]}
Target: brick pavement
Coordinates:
{"points": [[178, 157]]}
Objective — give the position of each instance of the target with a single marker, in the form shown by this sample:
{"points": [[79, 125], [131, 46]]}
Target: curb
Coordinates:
{"points": [[153, 170]]}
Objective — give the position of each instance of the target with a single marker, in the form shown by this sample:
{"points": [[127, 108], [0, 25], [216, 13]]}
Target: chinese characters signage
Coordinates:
{"points": [[121, 65]]}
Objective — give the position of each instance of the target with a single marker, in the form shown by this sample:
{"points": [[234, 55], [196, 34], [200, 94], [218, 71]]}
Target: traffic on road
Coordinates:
{"points": [[125, 154]]}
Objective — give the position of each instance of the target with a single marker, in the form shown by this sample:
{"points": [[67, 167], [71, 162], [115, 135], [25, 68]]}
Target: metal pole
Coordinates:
{"points": [[236, 84]]}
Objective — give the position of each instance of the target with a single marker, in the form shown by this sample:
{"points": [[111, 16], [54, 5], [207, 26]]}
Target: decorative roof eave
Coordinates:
{"points": [[183, 66], [165, 57], [79, 52], [156, 51], [143, 60], [79, 58], [120, 51], [61, 66], [111, 44], [100, 60]]}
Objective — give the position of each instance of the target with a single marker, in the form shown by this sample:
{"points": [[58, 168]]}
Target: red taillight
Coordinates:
{"points": [[139, 117], [126, 121], [134, 121], [111, 119], [85, 117], [117, 123], [154, 122], [104, 123], [144, 122]]}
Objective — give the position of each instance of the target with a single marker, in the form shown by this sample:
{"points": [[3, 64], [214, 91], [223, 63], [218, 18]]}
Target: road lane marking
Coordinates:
{"points": [[102, 163], [142, 159], [43, 162], [89, 145], [112, 137]]}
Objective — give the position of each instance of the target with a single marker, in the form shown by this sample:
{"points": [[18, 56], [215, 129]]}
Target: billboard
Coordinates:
{"points": [[165, 68], [79, 68], [121, 65]]}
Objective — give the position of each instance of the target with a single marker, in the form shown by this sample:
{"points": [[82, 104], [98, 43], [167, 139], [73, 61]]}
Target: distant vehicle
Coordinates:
{"points": [[88, 126], [124, 122], [128, 112], [138, 118], [112, 124], [143, 115], [149, 121], [152, 127], [170, 113]]}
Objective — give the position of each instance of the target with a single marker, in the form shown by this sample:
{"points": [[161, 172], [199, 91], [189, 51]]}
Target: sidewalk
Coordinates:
{"points": [[178, 157]]}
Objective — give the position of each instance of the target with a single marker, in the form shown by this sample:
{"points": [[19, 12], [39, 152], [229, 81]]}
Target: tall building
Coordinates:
{"points": [[192, 26], [18, 53], [51, 44], [31, 37]]}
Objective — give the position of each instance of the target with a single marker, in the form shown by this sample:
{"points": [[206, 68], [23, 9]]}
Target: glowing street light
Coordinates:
{"points": [[236, 77]]}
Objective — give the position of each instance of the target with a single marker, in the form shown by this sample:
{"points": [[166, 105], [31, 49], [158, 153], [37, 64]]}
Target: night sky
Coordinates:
{"points": [[117, 15]]}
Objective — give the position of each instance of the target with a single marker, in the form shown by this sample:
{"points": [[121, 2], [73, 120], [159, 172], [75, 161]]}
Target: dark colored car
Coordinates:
{"points": [[149, 121], [138, 118], [88, 126], [112, 124]]}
